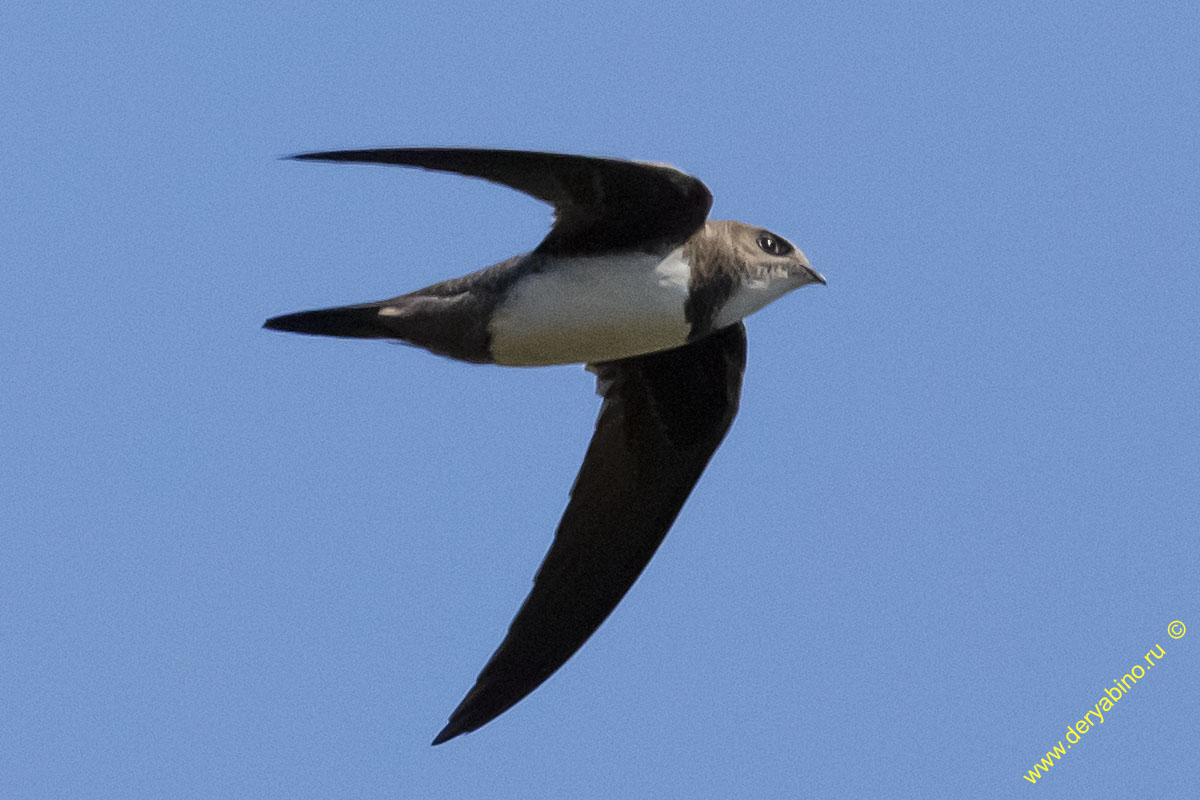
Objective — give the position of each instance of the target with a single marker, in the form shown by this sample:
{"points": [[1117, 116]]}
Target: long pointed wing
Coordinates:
{"points": [[600, 203], [662, 418]]}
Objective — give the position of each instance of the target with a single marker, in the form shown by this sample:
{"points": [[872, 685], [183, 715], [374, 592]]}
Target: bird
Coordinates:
{"points": [[633, 281]]}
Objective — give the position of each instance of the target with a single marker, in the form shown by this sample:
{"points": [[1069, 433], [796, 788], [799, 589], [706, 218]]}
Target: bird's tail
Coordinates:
{"points": [[359, 322], [449, 325]]}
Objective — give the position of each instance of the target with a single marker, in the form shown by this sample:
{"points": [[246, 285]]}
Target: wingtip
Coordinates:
{"points": [[280, 323], [361, 156], [448, 733]]}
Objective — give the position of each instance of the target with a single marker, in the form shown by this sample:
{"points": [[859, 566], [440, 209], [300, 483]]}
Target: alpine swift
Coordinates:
{"points": [[635, 282]]}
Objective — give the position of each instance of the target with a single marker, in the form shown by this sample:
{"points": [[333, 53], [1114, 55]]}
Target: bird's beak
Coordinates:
{"points": [[815, 277]]}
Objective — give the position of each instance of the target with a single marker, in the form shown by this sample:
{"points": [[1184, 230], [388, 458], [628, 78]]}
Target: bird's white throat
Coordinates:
{"points": [[757, 292]]}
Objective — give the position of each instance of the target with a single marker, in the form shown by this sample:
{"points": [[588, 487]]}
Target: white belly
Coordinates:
{"points": [[593, 309]]}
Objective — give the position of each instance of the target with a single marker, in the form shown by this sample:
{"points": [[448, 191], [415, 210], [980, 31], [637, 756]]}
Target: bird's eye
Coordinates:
{"points": [[773, 245]]}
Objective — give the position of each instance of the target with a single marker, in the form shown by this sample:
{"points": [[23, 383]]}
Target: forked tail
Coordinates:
{"points": [[359, 322]]}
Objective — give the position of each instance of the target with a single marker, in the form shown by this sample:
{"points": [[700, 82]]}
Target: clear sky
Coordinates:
{"points": [[960, 500]]}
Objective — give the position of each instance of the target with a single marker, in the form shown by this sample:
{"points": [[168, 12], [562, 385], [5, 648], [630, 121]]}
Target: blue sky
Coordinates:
{"points": [[960, 500]]}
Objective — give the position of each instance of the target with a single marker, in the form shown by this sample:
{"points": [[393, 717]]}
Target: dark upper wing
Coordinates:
{"points": [[599, 203], [663, 416]]}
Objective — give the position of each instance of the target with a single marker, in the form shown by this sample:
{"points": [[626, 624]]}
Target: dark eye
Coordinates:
{"points": [[773, 245]]}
